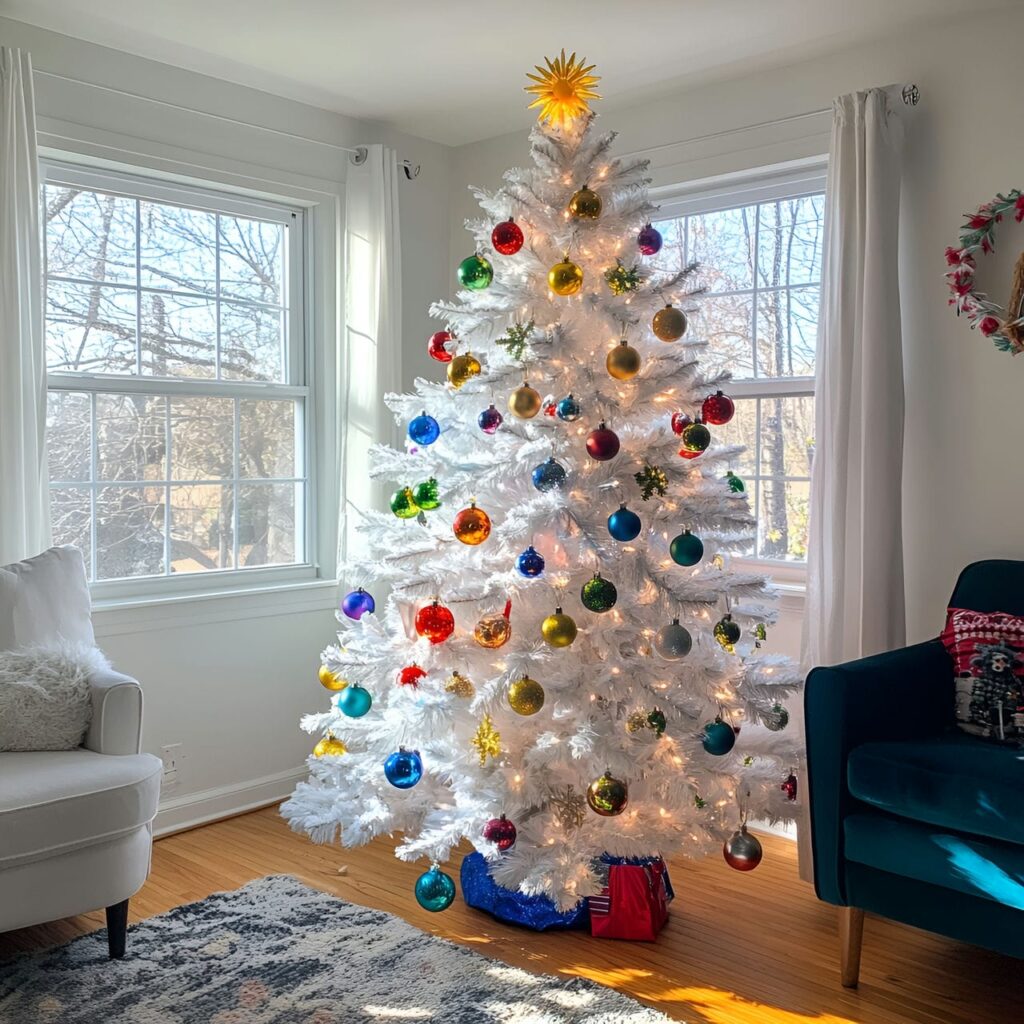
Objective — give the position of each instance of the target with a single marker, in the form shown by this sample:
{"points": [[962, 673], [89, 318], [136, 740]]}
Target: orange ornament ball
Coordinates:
{"points": [[472, 525]]}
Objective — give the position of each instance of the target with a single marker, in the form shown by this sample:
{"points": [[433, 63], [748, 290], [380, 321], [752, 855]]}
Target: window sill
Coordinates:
{"points": [[117, 616]]}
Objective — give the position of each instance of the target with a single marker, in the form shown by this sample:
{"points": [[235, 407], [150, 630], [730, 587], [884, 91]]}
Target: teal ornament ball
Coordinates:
{"points": [[435, 890], [686, 549], [354, 701], [719, 737], [475, 272]]}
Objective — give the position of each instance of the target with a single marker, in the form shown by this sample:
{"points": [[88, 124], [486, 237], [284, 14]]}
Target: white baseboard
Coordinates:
{"points": [[178, 813]]}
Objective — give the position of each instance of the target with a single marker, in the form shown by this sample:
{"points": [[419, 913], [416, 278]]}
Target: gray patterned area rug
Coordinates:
{"points": [[278, 952]]}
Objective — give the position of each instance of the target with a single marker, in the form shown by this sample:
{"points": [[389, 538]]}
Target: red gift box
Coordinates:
{"points": [[634, 904]]}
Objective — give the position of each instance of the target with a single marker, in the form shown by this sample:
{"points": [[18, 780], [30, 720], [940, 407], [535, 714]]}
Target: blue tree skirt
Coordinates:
{"points": [[537, 912]]}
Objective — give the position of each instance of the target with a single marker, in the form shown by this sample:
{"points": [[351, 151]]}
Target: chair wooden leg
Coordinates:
{"points": [[851, 934], [117, 929]]}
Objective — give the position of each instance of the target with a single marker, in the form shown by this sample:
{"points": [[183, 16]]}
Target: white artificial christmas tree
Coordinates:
{"points": [[525, 726]]}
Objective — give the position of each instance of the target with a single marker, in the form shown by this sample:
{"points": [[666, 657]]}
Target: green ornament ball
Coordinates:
{"points": [[403, 503], [686, 549], [696, 437], [656, 720], [598, 594], [736, 485], [475, 272], [425, 495]]}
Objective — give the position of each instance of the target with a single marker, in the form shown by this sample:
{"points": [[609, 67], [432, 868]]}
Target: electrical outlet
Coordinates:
{"points": [[172, 755]]}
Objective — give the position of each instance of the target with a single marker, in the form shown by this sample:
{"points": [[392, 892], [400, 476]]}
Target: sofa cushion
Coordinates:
{"points": [[977, 867], [45, 600], [54, 801], [955, 781]]}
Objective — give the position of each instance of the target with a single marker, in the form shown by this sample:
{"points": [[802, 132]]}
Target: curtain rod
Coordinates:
{"points": [[411, 170]]}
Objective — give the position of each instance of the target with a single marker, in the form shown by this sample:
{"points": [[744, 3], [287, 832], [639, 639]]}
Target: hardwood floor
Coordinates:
{"points": [[752, 948]]}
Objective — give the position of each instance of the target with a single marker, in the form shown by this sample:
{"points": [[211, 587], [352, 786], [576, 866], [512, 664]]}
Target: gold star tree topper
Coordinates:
{"points": [[487, 740], [562, 89]]}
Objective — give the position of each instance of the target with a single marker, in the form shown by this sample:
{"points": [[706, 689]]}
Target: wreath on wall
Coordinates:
{"points": [[1004, 325]]}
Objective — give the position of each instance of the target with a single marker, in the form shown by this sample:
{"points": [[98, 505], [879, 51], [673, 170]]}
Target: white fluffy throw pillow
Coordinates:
{"points": [[44, 696]]}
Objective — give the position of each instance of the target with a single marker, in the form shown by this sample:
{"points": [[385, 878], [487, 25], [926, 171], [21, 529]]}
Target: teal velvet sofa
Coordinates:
{"points": [[911, 818]]}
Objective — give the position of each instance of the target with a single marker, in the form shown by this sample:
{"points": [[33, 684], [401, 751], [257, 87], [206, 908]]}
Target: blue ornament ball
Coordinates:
{"points": [[530, 563], [568, 409], [435, 890], [404, 768], [719, 737], [354, 701], [549, 475], [357, 603], [624, 524], [424, 429], [489, 420], [686, 549]]}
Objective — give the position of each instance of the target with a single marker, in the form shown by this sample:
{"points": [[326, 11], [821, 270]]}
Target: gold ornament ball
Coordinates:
{"points": [[493, 631], [669, 323], [526, 696], [607, 796], [329, 680], [565, 278], [329, 747], [463, 368], [472, 525], [623, 361], [636, 721], [559, 630], [524, 402], [458, 684], [585, 204]]}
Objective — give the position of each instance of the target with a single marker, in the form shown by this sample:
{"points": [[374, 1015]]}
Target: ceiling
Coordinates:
{"points": [[453, 70]]}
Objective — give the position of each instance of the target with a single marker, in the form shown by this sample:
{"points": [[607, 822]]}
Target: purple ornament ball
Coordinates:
{"points": [[489, 420], [649, 240], [357, 603]]}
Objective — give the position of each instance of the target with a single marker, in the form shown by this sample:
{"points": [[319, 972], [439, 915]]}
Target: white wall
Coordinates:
{"points": [[963, 486], [229, 677]]}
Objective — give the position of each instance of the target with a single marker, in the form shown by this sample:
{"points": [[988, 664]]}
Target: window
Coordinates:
{"points": [[759, 247], [176, 364]]}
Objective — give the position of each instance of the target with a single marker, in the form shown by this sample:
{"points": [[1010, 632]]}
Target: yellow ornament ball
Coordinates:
{"points": [[565, 278], [526, 696], [559, 630], [329, 746], [329, 680], [472, 525], [623, 361], [524, 402], [462, 368], [669, 323], [585, 204]]}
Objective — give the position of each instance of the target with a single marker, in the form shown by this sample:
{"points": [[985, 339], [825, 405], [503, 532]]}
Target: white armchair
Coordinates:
{"points": [[75, 825]]}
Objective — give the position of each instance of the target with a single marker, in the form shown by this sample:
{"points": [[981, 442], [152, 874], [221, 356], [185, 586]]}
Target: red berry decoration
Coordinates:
{"points": [[507, 238], [680, 421], [790, 787], [436, 346], [550, 407], [411, 675], [718, 409], [501, 832], [602, 444], [435, 622]]}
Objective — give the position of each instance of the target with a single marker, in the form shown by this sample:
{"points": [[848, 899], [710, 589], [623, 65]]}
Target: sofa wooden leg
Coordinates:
{"points": [[851, 934], [117, 929]]}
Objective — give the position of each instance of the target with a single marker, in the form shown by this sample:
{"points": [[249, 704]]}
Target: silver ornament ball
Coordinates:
{"points": [[673, 642], [742, 851]]}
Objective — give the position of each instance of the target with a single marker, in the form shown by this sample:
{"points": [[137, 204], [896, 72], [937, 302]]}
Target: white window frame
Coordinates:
{"points": [[300, 354], [760, 185]]}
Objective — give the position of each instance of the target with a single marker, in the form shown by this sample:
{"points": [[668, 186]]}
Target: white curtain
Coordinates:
{"points": [[24, 501], [371, 365], [855, 598]]}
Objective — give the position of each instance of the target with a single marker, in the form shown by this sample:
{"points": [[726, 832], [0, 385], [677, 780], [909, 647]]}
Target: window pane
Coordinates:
{"points": [[129, 532], [251, 343], [251, 260], [202, 438], [179, 336], [90, 328], [782, 519], [787, 327], [723, 243], [266, 524], [70, 518], [741, 430], [130, 437], [267, 438], [68, 436], [725, 325], [178, 248], [201, 516], [789, 241], [787, 436], [90, 235]]}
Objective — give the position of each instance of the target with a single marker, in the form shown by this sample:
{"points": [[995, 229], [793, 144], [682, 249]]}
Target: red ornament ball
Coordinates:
{"points": [[435, 622], [687, 454], [790, 787], [410, 675], [436, 346], [602, 444], [718, 409], [501, 832], [507, 238], [680, 421]]}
